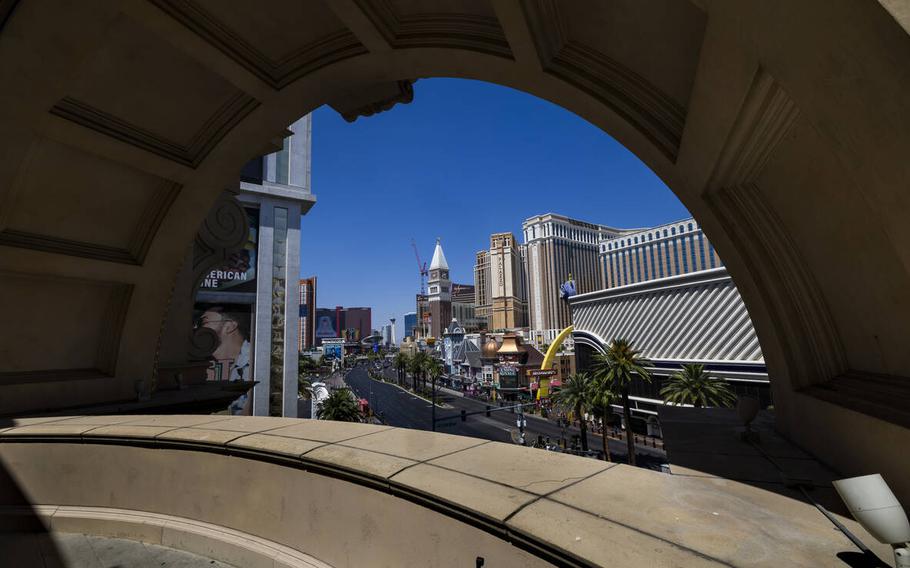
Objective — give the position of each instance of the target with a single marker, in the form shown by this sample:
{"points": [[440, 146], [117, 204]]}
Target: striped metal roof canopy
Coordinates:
{"points": [[698, 317]]}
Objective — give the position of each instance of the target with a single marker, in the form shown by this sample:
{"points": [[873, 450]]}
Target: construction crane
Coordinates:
{"points": [[421, 268]]}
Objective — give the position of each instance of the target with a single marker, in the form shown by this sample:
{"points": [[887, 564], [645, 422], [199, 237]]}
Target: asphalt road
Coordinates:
{"points": [[399, 408]]}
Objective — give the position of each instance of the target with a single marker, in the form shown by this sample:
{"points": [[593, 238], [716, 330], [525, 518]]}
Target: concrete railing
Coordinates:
{"points": [[287, 492]]}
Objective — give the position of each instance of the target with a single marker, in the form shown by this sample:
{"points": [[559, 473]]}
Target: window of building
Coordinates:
{"points": [[660, 265], [646, 260], [651, 250], [701, 247], [671, 252], [692, 253], [615, 262], [625, 267], [685, 258]]}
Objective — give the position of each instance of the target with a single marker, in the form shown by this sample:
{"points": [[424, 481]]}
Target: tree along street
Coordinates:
{"points": [[396, 407]]}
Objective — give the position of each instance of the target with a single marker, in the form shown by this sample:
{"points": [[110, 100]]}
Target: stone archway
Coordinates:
{"points": [[781, 126]]}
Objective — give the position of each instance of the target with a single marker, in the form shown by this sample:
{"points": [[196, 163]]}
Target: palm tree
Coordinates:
{"points": [[617, 368], [573, 396], [306, 363], [401, 363], [601, 398], [692, 385], [304, 386], [418, 364], [340, 405], [434, 369]]}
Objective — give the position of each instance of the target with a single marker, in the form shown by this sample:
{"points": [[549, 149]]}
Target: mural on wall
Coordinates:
{"points": [[232, 358]]}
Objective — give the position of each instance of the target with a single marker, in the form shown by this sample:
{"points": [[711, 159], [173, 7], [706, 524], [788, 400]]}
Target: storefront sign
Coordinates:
{"points": [[508, 377], [542, 372]]}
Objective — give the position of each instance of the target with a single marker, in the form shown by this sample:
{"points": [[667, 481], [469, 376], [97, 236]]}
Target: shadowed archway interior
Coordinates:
{"points": [[784, 133]]}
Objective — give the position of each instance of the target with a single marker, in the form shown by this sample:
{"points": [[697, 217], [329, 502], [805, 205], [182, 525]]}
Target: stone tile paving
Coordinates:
{"points": [[67, 550]]}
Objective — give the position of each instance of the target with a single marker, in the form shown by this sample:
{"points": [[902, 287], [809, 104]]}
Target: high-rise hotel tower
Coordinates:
{"points": [[483, 304], [508, 294], [659, 252], [559, 248]]}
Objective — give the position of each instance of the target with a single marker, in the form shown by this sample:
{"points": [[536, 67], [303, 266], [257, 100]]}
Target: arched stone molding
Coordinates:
{"points": [[785, 135]]}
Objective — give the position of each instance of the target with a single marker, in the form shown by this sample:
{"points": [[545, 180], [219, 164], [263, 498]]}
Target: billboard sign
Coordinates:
{"points": [[325, 325], [237, 273], [232, 359], [333, 348]]}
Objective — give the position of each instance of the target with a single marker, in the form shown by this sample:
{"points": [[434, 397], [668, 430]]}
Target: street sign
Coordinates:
{"points": [[542, 372]]}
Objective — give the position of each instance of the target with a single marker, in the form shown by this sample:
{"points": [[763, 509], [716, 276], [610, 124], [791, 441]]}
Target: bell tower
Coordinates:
{"points": [[439, 290]]}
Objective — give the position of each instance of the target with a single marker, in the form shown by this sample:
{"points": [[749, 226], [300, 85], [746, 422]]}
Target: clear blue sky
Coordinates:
{"points": [[465, 159]]}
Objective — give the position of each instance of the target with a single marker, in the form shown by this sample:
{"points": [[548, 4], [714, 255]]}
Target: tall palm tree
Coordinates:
{"points": [[601, 398], [434, 369], [573, 396], [401, 363], [341, 406], [692, 385], [618, 367], [418, 366]]}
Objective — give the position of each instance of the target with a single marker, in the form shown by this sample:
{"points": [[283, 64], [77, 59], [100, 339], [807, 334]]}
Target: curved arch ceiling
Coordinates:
{"points": [[783, 132]]}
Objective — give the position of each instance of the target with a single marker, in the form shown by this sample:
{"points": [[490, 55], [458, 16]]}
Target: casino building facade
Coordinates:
{"points": [[697, 317]]}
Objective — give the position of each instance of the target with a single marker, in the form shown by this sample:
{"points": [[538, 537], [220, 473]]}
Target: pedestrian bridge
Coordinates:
{"points": [[284, 492]]}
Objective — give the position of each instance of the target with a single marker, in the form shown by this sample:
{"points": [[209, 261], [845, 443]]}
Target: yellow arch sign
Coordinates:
{"points": [[543, 385], [554, 347]]}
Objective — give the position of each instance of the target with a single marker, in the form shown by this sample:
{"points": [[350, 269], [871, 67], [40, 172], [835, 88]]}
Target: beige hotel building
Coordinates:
{"points": [[658, 252], [557, 247]]}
